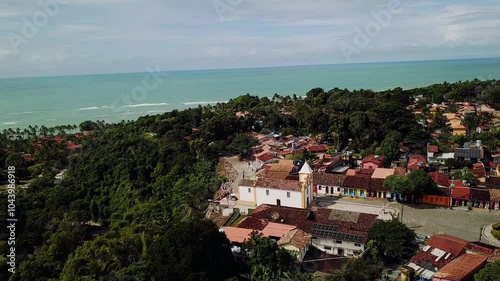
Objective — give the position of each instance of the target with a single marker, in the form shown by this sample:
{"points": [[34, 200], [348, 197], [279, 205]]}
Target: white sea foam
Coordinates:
{"points": [[155, 111], [203, 102], [146, 104], [9, 123], [95, 107]]}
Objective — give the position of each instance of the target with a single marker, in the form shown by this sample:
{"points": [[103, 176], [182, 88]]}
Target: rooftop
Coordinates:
{"points": [[277, 229], [462, 267], [281, 184], [237, 235], [346, 222], [297, 237], [328, 179], [382, 173]]}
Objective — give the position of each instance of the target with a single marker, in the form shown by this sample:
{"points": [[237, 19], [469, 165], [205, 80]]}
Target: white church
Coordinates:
{"points": [[280, 186]]}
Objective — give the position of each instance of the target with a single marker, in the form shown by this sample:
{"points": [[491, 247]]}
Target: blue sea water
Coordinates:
{"points": [[112, 97]]}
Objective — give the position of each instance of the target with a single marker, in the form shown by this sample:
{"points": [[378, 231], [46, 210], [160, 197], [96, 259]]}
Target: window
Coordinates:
{"points": [[319, 187], [288, 194], [357, 244], [267, 192], [327, 248], [338, 189], [338, 242], [249, 190]]}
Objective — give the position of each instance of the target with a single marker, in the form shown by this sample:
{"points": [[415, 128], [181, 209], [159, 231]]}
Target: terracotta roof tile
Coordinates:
{"points": [[462, 267], [448, 243], [480, 194], [238, 235], [382, 173], [277, 229], [317, 148], [297, 238], [373, 159], [356, 181], [433, 148], [281, 184], [328, 179], [440, 179], [460, 193], [246, 182], [376, 185], [414, 160], [348, 222]]}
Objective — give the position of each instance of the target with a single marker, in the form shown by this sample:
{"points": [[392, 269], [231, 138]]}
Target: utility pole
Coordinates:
{"points": [[402, 208]]}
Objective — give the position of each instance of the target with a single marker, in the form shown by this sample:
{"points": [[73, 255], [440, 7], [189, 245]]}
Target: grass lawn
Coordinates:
{"points": [[496, 231], [237, 220]]}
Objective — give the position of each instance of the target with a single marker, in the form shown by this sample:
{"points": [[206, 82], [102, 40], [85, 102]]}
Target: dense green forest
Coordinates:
{"points": [[131, 204]]}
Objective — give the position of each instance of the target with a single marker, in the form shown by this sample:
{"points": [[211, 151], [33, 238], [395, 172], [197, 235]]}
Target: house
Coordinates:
{"points": [[460, 193], [376, 189], [483, 108], [327, 184], [382, 173], [356, 185], [457, 128], [280, 186], [479, 171], [432, 151], [317, 148], [472, 151], [296, 241], [480, 198], [495, 199], [373, 161], [438, 251], [335, 232], [442, 180], [416, 162], [462, 268]]}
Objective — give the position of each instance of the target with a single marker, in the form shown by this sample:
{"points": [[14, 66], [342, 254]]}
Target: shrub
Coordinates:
{"points": [[496, 226], [496, 233]]}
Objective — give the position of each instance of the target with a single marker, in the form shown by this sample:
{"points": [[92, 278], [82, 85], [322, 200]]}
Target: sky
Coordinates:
{"points": [[113, 36]]}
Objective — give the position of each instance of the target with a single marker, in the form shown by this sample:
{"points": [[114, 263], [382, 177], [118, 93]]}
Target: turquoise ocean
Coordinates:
{"points": [[62, 100]]}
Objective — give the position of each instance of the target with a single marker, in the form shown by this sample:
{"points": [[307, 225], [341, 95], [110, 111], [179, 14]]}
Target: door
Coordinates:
{"points": [[278, 202], [331, 189]]}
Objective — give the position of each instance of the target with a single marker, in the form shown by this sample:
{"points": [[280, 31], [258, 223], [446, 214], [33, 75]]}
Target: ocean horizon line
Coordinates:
{"points": [[252, 68]]}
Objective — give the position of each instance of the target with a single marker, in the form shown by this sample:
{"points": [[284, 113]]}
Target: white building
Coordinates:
{"points": [[326, 184], [279, 191]]}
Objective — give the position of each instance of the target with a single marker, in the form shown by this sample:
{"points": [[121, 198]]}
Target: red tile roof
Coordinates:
{"points": [[440, 179], [238, 235], [481, 248], [356, 181], [373, 159], [265, 157], [283, 184], [277, 229], [448, 243], [376, 185], [460, 193], [414, 160], [328, 179], [462, 268], [348, 222], [433, 148], [317, 148]]}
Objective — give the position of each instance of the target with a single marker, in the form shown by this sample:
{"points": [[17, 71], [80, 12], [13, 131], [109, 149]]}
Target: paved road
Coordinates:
{"points": [[427, 220]]}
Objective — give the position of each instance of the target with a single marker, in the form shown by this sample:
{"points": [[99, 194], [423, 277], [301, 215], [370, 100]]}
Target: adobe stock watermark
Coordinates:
{"points": [[224, 7], [139, 93], [38, 21], [11, 219], [382, 18]]}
